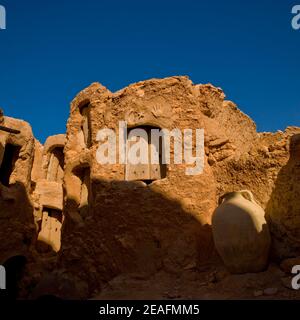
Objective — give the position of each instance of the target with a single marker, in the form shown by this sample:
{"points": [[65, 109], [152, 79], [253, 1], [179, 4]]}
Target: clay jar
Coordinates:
{"points": [[241, 234]]}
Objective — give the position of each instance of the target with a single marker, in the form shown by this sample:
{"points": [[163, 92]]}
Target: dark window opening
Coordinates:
{"points": [[14, 267], [59, 154], [10, 157], [54, 213]]}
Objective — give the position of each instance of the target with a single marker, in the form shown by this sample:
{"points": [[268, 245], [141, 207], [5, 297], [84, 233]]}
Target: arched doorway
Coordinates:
{"points": [[56, 165]]}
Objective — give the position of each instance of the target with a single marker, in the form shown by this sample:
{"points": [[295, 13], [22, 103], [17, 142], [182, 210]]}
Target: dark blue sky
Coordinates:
{"points": [[53, 49]]}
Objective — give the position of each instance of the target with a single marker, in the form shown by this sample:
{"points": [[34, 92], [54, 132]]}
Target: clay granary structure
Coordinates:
{"points": [[47, 180], [67, 214]]}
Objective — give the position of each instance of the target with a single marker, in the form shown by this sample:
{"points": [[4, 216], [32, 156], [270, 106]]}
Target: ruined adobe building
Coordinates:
{"points": [[119, 220], [16, 156], [47, 178]]}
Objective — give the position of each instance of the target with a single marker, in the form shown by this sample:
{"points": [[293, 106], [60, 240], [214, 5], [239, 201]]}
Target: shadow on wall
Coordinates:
{"points": [[17, 235], [283, 208], [15, 271], [131, 228]]}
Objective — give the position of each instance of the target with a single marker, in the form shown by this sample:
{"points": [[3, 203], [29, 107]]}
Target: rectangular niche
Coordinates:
{"points": [[50, 231], [56, 165], [10, 157], [86, 127], [145, 172]]}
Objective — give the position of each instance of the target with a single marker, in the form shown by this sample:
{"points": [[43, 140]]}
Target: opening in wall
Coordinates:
{"points": [[56, 165], [10, 157], [49, 237], [145, 172], [86, 127], [15, 267], [54, 214]]}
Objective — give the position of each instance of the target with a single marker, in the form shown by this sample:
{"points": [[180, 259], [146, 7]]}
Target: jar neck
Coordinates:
{"points": [[232, 195]]}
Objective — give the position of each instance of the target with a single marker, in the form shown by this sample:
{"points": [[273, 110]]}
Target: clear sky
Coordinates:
{"points": [[53, 49]]}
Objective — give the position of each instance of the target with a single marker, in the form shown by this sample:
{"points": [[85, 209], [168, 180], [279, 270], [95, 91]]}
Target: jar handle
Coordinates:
{"points": [[221, 199], [249, 193]]}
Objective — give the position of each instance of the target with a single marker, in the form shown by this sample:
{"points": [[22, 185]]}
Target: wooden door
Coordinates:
{"points": [[137, 171], [145, 172]]}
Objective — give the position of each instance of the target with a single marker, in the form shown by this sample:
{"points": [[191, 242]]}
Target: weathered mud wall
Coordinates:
{"points": [[115, 220], [16, 210], [47, 178], [129, 226], [132, 227]]}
